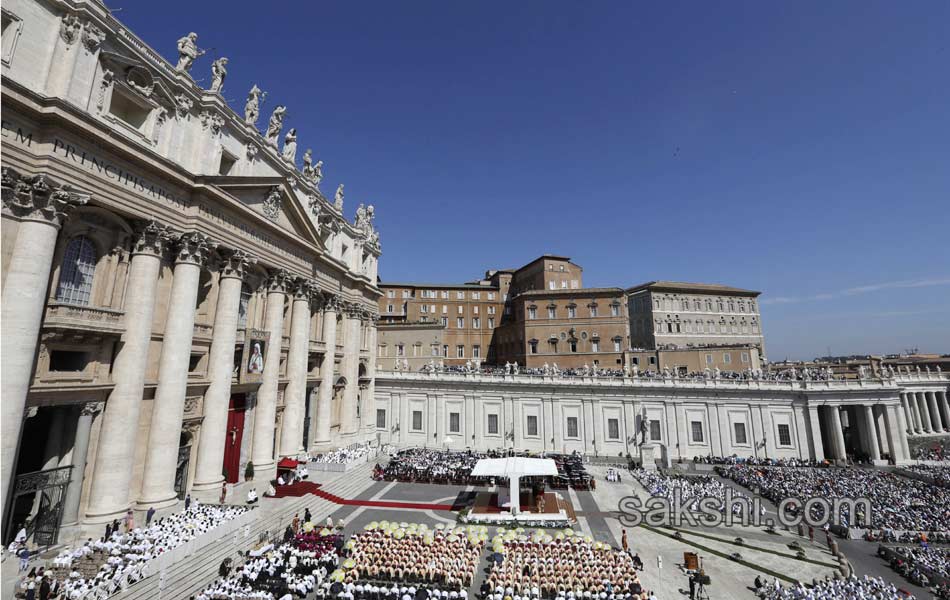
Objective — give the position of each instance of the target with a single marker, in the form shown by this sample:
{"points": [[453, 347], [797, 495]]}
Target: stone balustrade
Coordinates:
{"points": [[83, 318]]}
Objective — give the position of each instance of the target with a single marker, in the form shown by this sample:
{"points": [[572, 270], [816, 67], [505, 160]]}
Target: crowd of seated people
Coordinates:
{"points": [[432, 465], [896, 503], [853, 588], [938, 473], [294, 569], [415, 555], [758, 462], [937, 450], [921, 565], [343, 456], [692, 488], [102, 567], [565, 566]]}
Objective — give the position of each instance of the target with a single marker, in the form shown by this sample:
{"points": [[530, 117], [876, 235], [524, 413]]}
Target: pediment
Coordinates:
{"points": [[276, 201], [138, 76]]}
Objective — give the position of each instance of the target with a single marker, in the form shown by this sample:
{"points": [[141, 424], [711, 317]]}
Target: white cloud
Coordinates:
{"points": [[855, 291]]}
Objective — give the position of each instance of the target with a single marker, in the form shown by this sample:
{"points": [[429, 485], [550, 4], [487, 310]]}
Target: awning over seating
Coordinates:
{"points": [[287, 463], [517, 466]]}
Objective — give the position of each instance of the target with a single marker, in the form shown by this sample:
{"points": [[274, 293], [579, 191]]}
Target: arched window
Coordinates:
{"points": [[77, 271], [242, 306]]}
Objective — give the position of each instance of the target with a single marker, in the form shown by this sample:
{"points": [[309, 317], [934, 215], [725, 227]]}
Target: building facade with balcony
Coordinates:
{"points": [[180, 299]]}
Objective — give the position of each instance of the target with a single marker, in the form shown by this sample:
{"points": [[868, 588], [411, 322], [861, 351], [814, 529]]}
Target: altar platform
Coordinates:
{"points": [[489, 508]]}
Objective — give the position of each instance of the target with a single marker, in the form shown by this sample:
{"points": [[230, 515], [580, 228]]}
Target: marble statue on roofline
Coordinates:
{"points": [[219, 71], [252, 108], [188, 51], [275, 124]]}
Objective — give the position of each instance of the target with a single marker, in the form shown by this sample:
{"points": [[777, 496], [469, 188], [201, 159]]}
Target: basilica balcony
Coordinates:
{"points": [[83, 318], [203, 331], [318, 346]]}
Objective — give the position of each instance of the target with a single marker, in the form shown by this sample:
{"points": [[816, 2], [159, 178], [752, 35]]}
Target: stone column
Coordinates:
{"points": [[321, 437], [210, 460], [905, 406], [935, 418], [262, 452], [351, 365], [902, 434], [837, 434], [87, 413], [892, 431], [915, 412], [41, 207], [817, 448], [924, 411], [295, 395], [870, 426], [115, 450], [161, 456], [944, 409]]}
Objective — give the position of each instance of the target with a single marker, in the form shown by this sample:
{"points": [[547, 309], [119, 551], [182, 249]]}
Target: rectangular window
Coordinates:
{"points": [[475, 310], [573, 346], [445, 321], [460, 295], [445, 309], [491, 323], [572, 427], [594, 346], [435, 350], [574, 284], [552, 312], [491, 310], [491, 295], [445, 294], [709, 359], [563, 285], [532, 425], [417, 420], [571, 312], [461, 310], [532, 313], [493, 424], [476, 295], [614, 310], [460, 323], [697, 430], [405, 293], [389, 308], [655, 431], [551, 285], [380, 418], [784, 435], [424, 308], [613, 429], [726, 358], [460, 351], [476, 351], [593, 311], [745, 357], [400, 350], [445, 351], [534, 347], [67, 361], [476, 323], [391, 294], [739, 429], [454, 423], [616, 345]]}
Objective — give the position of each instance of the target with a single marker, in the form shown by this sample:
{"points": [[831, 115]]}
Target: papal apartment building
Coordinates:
{"points": [[541, 314], [181, 303]]}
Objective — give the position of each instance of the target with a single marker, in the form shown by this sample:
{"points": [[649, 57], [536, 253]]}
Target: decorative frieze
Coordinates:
{"points": [[92, 37]]}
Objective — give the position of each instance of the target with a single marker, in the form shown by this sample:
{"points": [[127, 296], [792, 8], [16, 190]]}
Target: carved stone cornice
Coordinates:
{"points": [[192, 248], [91, 409], [234, 263], [151, 239], [279, 281], [36, 198]]}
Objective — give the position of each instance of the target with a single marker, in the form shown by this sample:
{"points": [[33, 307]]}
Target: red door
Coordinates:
{"points": [[232, 442]]}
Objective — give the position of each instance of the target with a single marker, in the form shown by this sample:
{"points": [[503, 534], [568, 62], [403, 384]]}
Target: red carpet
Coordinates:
{"points": [[302, 488]]}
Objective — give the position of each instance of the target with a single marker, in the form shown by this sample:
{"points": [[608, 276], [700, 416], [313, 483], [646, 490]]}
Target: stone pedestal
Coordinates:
{"points": [[648, 457]]}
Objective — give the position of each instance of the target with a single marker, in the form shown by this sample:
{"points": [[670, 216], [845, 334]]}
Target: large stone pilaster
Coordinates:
{"points": [[321, 438], [41, 207], [265, 413], [86, 414], [115, 450], [210, 460], [350, 367], [161, 456], [295, 395]]}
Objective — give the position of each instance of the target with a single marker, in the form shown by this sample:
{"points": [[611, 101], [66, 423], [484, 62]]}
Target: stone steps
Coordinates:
{"points": [[191, 576]]}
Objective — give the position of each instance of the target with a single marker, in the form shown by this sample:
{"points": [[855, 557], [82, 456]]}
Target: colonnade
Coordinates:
{"points": [[925, 412], [40, 209], [879, 427]]}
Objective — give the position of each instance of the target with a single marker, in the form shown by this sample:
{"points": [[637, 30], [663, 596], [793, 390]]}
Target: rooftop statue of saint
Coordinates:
{"points": [[188, 51], [219, 70]]}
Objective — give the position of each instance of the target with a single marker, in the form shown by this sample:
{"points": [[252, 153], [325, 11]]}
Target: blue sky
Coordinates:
{"points": [[797, 148]]}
